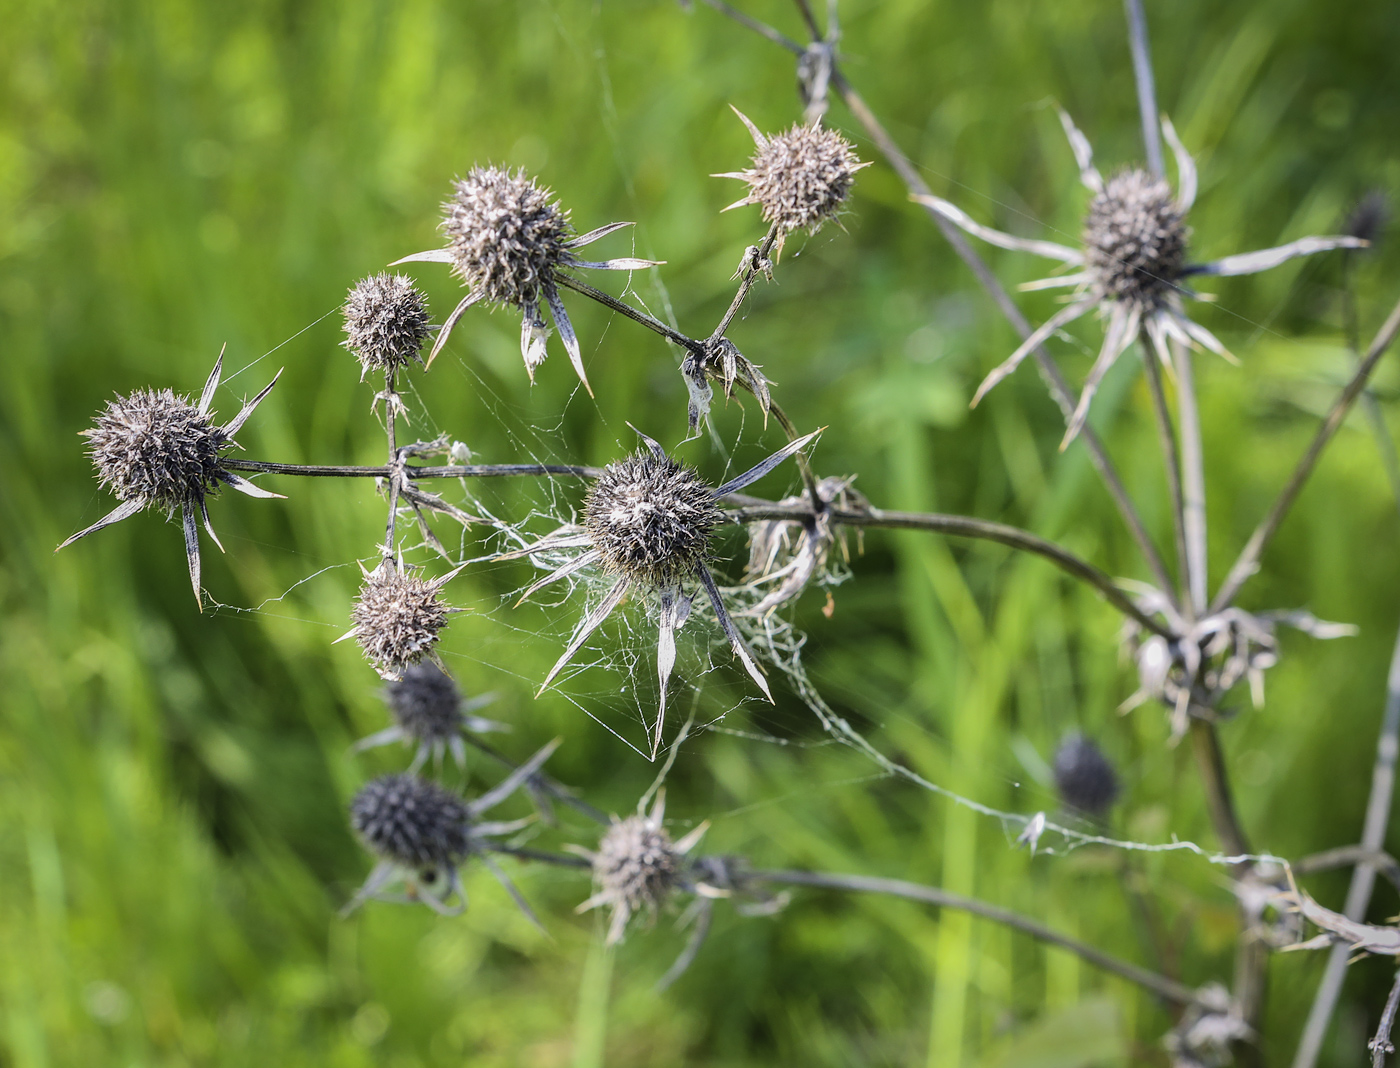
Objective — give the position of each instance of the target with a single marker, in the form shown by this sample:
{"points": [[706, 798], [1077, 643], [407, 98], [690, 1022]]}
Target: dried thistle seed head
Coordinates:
{"points": [[426, 704], [505, 236], [153, 447], [398, 616], [1135, 239], [636, 867], [1084, 777], [386, 322], [1370, 217], [411, 822], [651, 518], [800, 177]]}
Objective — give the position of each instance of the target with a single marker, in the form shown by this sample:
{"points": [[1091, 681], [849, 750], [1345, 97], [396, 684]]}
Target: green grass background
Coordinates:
{"points": [[177, 176]]}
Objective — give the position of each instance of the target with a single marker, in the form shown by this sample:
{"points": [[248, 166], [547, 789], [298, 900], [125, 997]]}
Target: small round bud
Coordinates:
{"points": [[412, 822], [156, 448], [1370, 217], [426, 704], [386, 322], [1084, 777], [1135, 239], [801, 177], [505, 236], [397, 618], [636, 867], [651, 518]]}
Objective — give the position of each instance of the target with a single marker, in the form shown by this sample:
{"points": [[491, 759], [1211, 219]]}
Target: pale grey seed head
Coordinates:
{"points": [[156, 448], [1084, 777], [505, 234], [426, 703], [1135, 239], [802, 176], [386, 322], [636, 865], [412, 822], [398, 617], [651, 519]]}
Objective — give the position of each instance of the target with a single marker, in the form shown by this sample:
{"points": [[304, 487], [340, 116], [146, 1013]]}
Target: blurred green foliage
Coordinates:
{"points": [[177, 176]]}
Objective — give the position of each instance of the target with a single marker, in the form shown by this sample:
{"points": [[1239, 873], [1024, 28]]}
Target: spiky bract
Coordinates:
{"points": [[1135, 239], [411, 822], [398, 617], [636, 867], [426, 704], [154, 447], [651, 519], [386, 322], [801, 177], [506, 235], [1084, 777]]}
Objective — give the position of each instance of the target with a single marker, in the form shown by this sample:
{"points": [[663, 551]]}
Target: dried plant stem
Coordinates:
{"points": [[609, 301], [1193, 483], [395, 464], [457, 471], [1363, 878], [751, 272], [964, 527], [1170, 458], [1248, 560], [1165, 988], [1146, 87], [1210, 760], [563, 860], [1345, 856], [1380, 1046], [543, 782], [760, 28]]}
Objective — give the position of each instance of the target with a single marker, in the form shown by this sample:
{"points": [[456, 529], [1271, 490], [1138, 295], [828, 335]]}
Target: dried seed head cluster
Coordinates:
{"points": [[411, 822], [386, 322], [1084, 777], [426, 704], [506, 236], [153, 447], [398, 617], [1135, 239], [636, 867], [651, 519], [800, 177]]}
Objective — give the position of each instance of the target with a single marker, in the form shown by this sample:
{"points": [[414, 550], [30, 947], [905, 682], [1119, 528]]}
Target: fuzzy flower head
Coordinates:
{"points": [[637, 867], [651, 519], [157, 449], [800, 177], [398, 617], [1135, 240], [1084, 778], [648, 525], [386, 322], [1132, 268], [421, 833], [430, 714], [508, 240]]}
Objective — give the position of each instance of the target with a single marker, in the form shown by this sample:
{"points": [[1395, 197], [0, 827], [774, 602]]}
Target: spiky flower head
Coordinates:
{"points": [[411, 822], [155, 448], [1084, 777], [636, 867], [651, 518], [426, 703], [800, 177], [506, 235], [1135, 239], [398, 617], [386, 322]]}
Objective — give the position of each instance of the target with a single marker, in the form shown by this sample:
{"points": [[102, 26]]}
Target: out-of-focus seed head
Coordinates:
{"points": [[386, 322], [1084, 777], [156, 448], [505, 235], [801, 177], [636, 867], [398, 617], [651, 518], [1135, 239], [426, 704], [1370, 217], [412, 822]]}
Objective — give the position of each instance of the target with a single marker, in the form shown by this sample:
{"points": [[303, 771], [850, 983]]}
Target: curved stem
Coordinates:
{"points": [[1163, 987], [961, 526]]}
